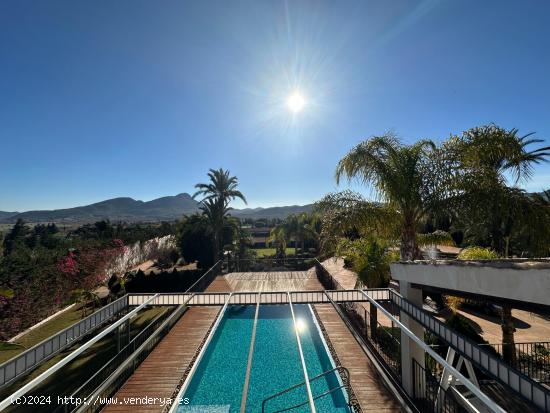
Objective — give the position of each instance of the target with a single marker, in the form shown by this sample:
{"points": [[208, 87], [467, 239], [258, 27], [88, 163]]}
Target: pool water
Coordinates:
{"points": [[217, 383]]}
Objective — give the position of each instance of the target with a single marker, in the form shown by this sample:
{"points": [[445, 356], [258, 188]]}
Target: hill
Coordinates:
{"points": [[273, 212], [127, 209], [6, 215]]}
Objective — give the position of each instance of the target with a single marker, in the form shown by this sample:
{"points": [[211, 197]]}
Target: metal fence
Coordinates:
{"points": [[125, 367], [488, 363], [385, 341], [206, 279], [429, 396], [532, 359], [33, 357], [267, 297], [325, 278], [100, 376]]}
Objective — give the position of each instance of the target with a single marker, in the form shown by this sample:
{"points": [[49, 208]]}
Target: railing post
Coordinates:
{"points": [[118, 338], [373, 321]]}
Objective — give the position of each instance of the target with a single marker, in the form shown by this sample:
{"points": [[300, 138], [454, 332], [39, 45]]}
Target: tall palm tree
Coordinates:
{"points": [[401, 177], [217, 195], [484, 157]]}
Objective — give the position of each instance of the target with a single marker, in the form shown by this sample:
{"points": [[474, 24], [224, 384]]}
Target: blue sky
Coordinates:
{"points": [[101, 99]]}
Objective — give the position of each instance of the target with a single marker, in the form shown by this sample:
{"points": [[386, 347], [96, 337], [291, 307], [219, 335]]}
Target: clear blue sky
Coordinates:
{"points": [[100, 99]]}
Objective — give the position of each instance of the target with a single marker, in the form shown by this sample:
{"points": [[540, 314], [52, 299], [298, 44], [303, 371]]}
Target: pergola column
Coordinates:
{"points": [[409, 349]]}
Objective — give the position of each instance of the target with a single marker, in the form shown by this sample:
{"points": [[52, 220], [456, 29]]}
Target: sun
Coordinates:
{"points": [[295, 102]]}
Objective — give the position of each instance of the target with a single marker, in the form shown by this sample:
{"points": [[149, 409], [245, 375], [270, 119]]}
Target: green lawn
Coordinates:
{"points": [[270, 252], [46, 330], [70, 377]]}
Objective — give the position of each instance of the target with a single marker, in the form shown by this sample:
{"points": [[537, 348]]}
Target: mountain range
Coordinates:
{"points": [[128, 209]]}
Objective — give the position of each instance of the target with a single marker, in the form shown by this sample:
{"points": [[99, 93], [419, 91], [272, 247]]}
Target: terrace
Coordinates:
{"points": [[273, 335]]}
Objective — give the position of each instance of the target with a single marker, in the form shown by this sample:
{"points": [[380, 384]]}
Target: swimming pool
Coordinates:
{"points": [[218, 381]]}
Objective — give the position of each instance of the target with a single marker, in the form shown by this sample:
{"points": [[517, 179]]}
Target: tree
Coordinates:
{"points": [[370, 259], [483, 158], [279, 237], [15, 238], [195, 240], [402, 176], [217, 196], [236, 238]]}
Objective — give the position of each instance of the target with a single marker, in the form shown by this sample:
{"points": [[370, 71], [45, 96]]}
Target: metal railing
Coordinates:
{"points": [[429, 396], [301, 353], [30, 359], [488, 402], [325, 277], [267, 297], [384, 341], [488, 363], [246, 383], [56, 367], [128, 366], [338, 369], [100, 376], [206, 279], [532, 359]]}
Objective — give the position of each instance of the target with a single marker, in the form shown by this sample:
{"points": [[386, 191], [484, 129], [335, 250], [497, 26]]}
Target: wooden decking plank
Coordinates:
{"points": [[161, 371], [368, 386]]}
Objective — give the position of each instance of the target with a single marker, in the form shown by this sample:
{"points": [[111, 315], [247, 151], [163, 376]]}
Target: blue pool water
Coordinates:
{"points": [[217, 384]]}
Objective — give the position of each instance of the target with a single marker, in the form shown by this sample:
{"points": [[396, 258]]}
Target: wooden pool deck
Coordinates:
{"points": [[367, 384], [162, 370], [273, 281], [160, 373]]}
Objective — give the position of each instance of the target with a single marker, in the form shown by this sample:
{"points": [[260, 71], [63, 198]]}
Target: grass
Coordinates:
{"points": [[270, 252], [75, 373], [56, 324]]}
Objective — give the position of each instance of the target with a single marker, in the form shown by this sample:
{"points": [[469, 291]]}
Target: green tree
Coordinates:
{"points": [[279, 237], [484, 159], [402, 176], [195, 240], [370, 258], [15, 238], [217, 195]]}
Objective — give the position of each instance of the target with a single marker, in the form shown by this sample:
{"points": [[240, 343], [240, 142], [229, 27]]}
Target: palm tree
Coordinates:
{"points": [[402, 178], [217, 195], [279, 237], [483, 157]]}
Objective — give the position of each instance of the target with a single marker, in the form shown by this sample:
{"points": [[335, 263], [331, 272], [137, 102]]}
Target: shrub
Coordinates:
{"points": [[370, 258], [477, 253], [469, 253], [161, 282]]}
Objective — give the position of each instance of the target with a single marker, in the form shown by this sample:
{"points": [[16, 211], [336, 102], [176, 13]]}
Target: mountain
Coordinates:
{"points": [[6, 215], [273, 212], [127, 209], [116, 209]]}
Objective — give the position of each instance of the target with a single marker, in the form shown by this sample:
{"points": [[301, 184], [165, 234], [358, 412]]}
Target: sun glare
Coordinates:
{"points": [[301, 325], [295, 102]]}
